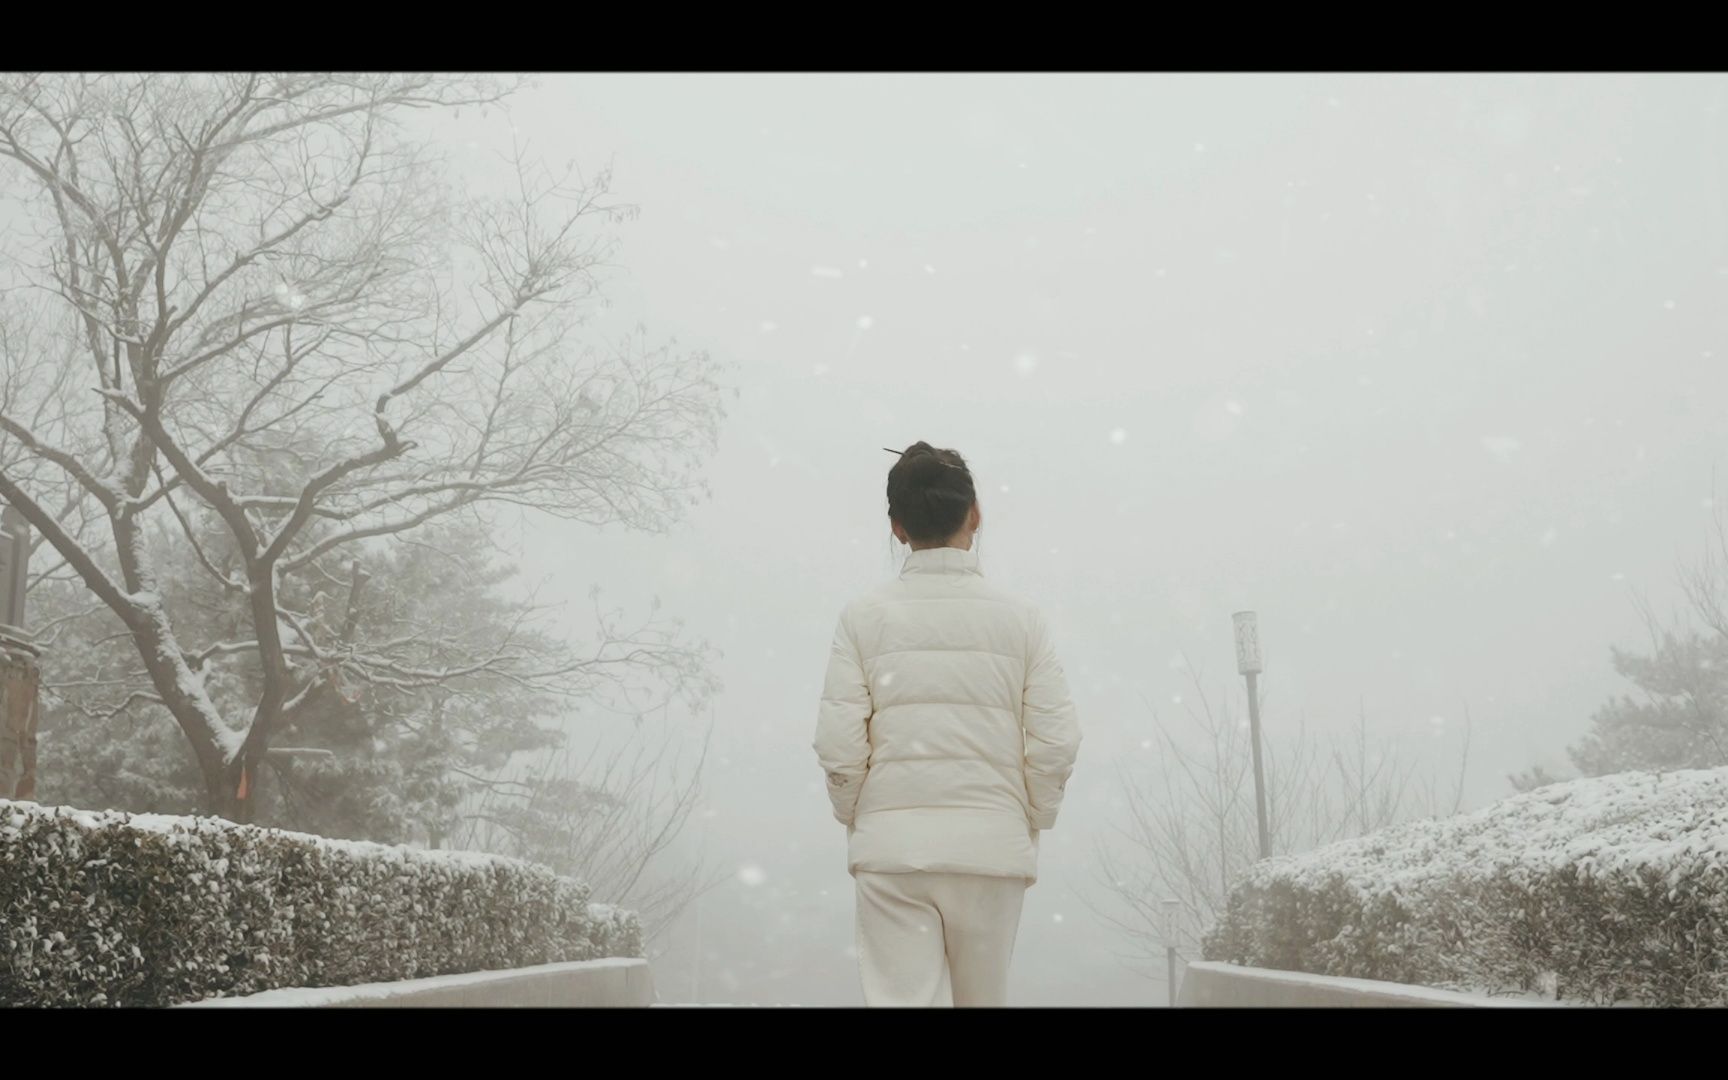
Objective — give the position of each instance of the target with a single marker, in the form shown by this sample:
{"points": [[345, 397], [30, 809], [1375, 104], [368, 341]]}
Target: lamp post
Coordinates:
{"points": [[1170, 907], [1249, 666], [696, 968]]}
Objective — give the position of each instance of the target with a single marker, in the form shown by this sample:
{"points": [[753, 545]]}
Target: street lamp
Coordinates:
{"points": [[1249, 666], [1170, 909]]}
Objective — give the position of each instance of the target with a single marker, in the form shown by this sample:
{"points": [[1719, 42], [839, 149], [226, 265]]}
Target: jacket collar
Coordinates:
{"points": [[941, 560]]}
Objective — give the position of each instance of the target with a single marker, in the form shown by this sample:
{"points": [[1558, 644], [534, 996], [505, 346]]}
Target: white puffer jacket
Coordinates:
{"points": [[946, 728]]}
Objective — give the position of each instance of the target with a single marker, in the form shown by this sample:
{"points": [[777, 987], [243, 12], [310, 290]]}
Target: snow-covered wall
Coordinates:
{"points": [[1227, 986], [588, 984]]}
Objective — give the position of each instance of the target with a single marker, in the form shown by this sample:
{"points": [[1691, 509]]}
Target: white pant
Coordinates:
{"points": [[927, 940]]}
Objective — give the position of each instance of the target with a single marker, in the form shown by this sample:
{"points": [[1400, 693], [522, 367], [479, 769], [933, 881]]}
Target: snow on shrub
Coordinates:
{"points": [[114, 909], [1611, 888]]}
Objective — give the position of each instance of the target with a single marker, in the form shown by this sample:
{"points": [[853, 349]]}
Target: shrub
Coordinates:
{"points": [[115, 909], [1614, 887]]}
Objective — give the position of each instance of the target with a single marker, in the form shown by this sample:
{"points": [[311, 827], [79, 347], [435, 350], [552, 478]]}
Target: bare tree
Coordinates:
{"points": [[229, 270], [606, 814], [1188, 828]]}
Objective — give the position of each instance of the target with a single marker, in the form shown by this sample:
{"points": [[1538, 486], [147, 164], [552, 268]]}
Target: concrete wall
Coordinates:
{"points": [[1208, 985], [590, 984]]}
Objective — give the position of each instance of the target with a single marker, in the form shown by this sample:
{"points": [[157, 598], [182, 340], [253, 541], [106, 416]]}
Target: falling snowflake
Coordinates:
{"points": [[752, 875], [928, 269], [768, 327], [1026, 363], [1549, 537], [865, 322], [1234, 408], [1003, 489], [1118, 436], [1056, 918], [1145, 744], [863, 264], [1617, 576], [826, 272]]}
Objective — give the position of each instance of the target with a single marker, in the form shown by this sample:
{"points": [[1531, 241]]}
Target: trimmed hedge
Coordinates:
{"points": [[1608, 889], [114, 909]]}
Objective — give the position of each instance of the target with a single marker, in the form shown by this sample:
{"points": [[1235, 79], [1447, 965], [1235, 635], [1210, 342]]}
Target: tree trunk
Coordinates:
{"points": [[196, 717], [239, 791], [217, 772]]}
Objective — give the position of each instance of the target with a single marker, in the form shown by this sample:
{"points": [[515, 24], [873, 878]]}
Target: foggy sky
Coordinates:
{"points": [[1428, 370]]}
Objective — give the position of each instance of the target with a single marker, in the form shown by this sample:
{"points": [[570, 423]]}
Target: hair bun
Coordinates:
{"points": [[930, 491]]}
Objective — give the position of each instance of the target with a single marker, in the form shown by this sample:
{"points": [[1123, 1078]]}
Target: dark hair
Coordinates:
{"points": [[930, 492]]}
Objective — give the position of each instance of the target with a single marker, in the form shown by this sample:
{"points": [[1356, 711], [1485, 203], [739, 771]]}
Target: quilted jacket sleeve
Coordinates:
{"points": [[842, 724], [1052, 729]]}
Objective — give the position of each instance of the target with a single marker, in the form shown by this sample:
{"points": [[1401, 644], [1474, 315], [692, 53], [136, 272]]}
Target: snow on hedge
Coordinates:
{"points": [[1612, 888], [114, 909]]}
